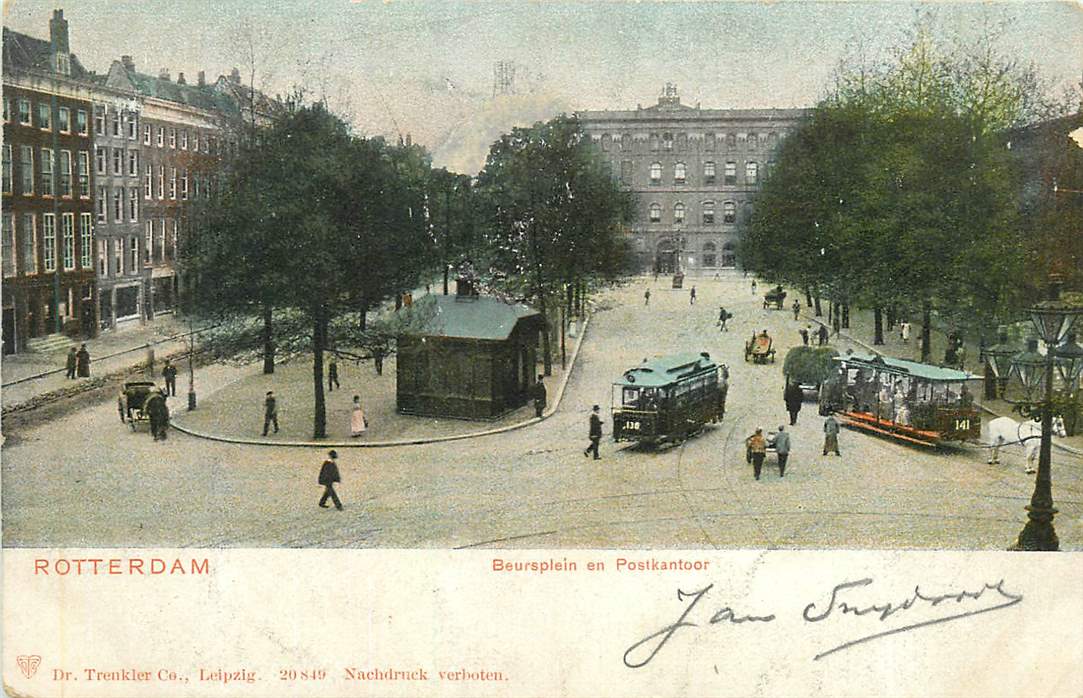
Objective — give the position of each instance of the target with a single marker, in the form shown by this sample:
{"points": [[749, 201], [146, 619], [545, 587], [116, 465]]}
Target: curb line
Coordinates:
{"points": [[406, 442], [868, 347]]}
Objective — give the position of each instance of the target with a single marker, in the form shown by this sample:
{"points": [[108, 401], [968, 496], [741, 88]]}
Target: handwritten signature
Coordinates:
{"points": [[643, 651]]}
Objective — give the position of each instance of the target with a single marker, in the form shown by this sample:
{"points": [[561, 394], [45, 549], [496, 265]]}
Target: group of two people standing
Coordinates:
{"points": [[78, 362]]}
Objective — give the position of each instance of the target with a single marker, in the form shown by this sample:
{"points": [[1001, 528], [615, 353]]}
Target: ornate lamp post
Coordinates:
{"points": [[998, 360], [1070, 366], [1053, 319]]}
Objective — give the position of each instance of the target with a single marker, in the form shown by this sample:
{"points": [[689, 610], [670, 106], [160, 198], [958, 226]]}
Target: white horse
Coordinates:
{"points": [[1004, 431]]}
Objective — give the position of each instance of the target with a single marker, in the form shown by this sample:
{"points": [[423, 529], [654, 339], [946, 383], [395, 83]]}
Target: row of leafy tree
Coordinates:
{"points": [[314, 226], [900, 193]]}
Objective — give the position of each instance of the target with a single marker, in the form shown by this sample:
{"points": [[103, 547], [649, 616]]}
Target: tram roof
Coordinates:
{"points": [[890, 364], [664, 370]]}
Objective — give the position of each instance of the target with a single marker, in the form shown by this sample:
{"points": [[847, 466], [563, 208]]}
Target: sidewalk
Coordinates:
{"points": [[861, 333], [112, 351], [234, 412]]}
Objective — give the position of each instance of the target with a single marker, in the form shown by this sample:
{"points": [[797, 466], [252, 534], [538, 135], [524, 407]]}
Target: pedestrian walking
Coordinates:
{"points": [[692, 296], [722, 317], [804, 335], [71, 362], [158, 412], [270, 412], [831, 435], [539, 397], [82, 361], [647, 297], [904, 331], [753, 287], [332, 375], [835, 324], [328, 477], [358, 421], [796, 309], [169, 374], [782, 448], [595, 433], [823, 335], [378, 361], [794, 397], [122, 407], [756, 449]]}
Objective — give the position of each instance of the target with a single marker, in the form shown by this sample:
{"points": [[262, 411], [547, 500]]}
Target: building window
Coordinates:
{"points": [[682, 142], [45, 116], [64, 119], [742, 140], [195, 185], [99, 121], [7, 110], [118, 161], [184, 184], [655, 213], [85, 231], [678, 213], [133, 250], [626, 142], [7, 178], [116, 124], [667, 141], [195, 141], [708, 142], [48, 229], [680, 172], [731, 141], [133, 204], [99, 160], [656, 173], [80, 121], [148, 179], [84, 174], [63, 64], [708, 172], [26, 168], [148, 243], [708, 213], [161, 136], [118, 256], [68, 221], [752, 171], [102, 203], [24, 111], [173, 239], [118, 205], [146, 134], [102, 254], [9, 244], [729, 212], [133, 163], [161, 182], [133, 126], [626, 172], [654, 141], [65, 173], [731, 172], [172, 137], [30, 245], [184, 139], [159, 250], [709, 257], [753, 141], [173, 183], [47, 183]]}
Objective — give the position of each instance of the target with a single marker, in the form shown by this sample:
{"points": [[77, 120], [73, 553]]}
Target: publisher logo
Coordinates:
{"points": [[28, 664]]}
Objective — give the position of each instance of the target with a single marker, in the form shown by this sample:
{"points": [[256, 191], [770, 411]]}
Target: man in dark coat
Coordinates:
{"points": [[158, 412], [793, 397], [328, 477], [270, 412], [804, 335], [71, 362], [539, 397], [332, 374], [169, 374], [595, 433], [723, 315], [82, 361], [796, 309], [823, 334], [647, 297]]}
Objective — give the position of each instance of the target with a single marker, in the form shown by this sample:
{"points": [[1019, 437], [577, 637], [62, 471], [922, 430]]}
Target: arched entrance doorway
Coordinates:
{"points": [[665, 257], [729, 258]]}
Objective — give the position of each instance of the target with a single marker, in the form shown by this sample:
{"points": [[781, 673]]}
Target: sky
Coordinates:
{"points": [[426, 68]]}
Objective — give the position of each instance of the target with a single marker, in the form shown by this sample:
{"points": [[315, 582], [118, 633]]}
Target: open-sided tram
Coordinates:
{"points": [[668, 398], [904, 400]]}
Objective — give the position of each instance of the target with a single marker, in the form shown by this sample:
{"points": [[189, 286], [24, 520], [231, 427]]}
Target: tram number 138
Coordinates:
{"points": [[631, 426]]}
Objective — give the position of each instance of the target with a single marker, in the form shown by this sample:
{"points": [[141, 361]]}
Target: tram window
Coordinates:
{"points": [[631, 396]]}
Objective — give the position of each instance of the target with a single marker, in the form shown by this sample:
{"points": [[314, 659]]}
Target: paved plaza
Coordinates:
{"points": [[86, 480]]}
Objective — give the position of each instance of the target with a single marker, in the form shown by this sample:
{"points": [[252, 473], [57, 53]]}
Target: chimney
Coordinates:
{"points": [[235, 76], [180, 79], [163, 74], [202, 78], [129, 64], [58, 32]]}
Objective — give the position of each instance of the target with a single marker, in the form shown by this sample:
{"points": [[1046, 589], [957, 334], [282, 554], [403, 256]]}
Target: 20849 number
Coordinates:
{"points": [[302, 675]]}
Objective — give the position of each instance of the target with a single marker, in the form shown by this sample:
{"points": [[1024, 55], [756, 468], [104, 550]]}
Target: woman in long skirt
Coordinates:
{"points": [[358, 423]]}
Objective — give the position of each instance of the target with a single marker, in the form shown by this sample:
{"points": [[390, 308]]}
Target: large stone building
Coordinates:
{"points": [[695, 173]]}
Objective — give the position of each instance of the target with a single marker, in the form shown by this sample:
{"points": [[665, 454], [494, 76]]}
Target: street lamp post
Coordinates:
{"points": [[998, 362], [1053, 318], [191, 365]]}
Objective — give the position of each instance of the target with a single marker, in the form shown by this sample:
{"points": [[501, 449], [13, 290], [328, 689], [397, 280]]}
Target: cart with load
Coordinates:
{"points": [[136, 395], [759, 350], [775, 297]]}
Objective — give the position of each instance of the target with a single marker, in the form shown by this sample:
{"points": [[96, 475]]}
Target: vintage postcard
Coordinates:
{"points": [[586, 348]]}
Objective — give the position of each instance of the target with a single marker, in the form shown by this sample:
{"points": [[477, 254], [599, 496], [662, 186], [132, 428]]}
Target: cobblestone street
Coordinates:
{"points": [[87, 480]]}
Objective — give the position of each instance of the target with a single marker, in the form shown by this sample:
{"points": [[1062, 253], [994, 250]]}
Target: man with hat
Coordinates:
{"points": [[328, 477], [270, 412], [595, 433]]}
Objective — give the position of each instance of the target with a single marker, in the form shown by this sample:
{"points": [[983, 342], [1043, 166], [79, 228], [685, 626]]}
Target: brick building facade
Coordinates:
{"points": [[695, 173]]}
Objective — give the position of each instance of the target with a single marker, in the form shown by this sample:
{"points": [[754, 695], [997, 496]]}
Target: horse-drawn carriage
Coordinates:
{"points": [[137, 395], [905, 400], [775, 297], [669, 398], [759, 349]]}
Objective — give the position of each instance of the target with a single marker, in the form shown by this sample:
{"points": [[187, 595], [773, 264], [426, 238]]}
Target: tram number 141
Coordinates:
{"points": [[962, 425]]}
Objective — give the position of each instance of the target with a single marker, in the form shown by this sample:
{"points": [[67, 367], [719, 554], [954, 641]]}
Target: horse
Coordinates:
{"points": [[1004, 431]]}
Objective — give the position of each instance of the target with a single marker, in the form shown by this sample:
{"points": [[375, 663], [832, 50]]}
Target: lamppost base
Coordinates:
{"points": [[1038, 533], [191, 400]]}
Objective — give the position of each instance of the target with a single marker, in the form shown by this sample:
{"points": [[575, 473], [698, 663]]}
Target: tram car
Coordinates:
{"points": [[903, 400], [669, 398]]}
